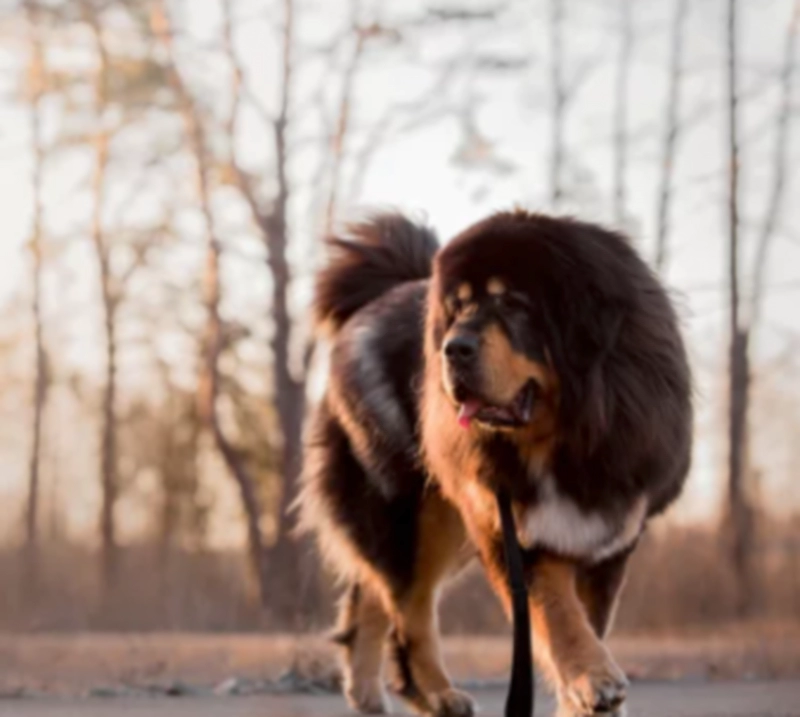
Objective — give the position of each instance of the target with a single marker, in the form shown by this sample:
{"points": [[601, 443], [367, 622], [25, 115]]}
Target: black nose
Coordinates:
{"points": [[462, 348]]}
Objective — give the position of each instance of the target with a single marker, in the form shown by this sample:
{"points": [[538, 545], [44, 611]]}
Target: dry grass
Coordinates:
{"points": [[679, 579], [190, 618]]}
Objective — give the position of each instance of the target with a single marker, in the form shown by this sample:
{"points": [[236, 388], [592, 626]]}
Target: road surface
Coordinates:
{"points": [[649, 699]]}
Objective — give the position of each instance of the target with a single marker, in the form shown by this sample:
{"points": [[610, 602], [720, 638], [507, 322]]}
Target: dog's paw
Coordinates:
{"points": [[367, 697], [451, 703], [599, 690]]}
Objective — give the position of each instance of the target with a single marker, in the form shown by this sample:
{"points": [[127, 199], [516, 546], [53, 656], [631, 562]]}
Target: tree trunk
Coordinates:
{"points": [[343, 119], [621, 112], [293, 581], [290, 404], [293, 584], [559, 100], [779, 166], [669, 149], [209, 393], [37, 88], [740, 512], [208, 385], [286, 559], [108, 438]]}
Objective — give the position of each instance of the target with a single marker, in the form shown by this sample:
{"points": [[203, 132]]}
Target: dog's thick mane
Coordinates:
{"points": [[624, 416], [594, 346]]}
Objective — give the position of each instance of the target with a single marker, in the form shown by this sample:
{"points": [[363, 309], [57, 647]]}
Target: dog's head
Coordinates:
{"points": [[523, 311], [553, 343], [495, 365], [487, 330]]}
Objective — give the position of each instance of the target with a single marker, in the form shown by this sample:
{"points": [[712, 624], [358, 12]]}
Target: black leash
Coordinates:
{"points": [[520, 700]]}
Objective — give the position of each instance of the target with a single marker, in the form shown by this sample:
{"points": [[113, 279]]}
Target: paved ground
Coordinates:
{"points": [[649, 699]]}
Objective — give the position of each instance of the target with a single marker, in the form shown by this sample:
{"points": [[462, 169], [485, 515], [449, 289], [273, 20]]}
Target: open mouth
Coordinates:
{"points": [[517, 413]]}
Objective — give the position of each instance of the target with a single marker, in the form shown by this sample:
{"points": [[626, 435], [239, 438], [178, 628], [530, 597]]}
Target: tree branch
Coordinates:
{"points": [[671, 132], [780, 156]]}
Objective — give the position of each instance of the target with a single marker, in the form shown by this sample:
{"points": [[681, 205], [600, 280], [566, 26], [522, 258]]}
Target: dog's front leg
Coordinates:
{"points": [[587, 679], [575, 661]]}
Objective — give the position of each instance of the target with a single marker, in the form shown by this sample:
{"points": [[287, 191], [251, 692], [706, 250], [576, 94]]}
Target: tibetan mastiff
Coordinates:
{"points": [[533, 354]]}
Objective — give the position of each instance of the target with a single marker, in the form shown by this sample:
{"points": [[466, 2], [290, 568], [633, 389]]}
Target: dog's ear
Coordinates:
{"points": [[583, 345], [599, 397]]}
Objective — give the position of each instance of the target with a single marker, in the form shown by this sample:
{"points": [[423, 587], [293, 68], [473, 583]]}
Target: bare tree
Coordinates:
{"points": [[345, 108], [740, 510], [743, 328], [36, 89], [101, 141], [559, 100], [161, 436], [565, 84], [213, 342], [779, 165], [669, 149], [182, 513], [289, 390], [270, 216], [621, 110]]}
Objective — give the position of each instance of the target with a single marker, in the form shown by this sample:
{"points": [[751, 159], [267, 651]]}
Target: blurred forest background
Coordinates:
{"points": [[167, 172]]}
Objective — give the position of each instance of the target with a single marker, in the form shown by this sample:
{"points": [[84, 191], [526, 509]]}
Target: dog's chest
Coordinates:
{"points": [[556, 523]]}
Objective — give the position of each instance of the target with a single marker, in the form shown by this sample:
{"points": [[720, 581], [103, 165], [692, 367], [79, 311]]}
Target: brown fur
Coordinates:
{"points": [[507, 370], [564, 304], [367, 625], [608, 377], [422, 679]]}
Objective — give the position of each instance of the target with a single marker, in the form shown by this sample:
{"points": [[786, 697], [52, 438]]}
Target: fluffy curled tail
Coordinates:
{"points": [[369, 259]]}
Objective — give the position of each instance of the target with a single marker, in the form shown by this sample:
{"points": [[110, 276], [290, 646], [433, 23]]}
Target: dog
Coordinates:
{"points": [[534, 354]]}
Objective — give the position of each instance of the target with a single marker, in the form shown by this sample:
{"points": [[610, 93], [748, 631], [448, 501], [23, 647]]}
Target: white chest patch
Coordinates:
{"points": [[555, 522]]}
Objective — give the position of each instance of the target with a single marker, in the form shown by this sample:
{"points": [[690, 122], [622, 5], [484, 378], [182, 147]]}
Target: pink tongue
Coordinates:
{"points": [[467, 411]]}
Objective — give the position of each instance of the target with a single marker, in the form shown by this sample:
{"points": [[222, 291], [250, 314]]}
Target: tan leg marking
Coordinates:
{"points": [[505, 371], [442, 551], [576, 663], [363, 665], [587, 678]]}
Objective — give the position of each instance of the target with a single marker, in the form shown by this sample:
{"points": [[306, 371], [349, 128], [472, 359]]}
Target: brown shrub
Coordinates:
{"points": [[679, 578]]}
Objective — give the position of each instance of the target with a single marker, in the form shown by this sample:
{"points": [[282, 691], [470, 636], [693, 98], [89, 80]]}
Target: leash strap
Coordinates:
{"points": [[520, 700]]}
